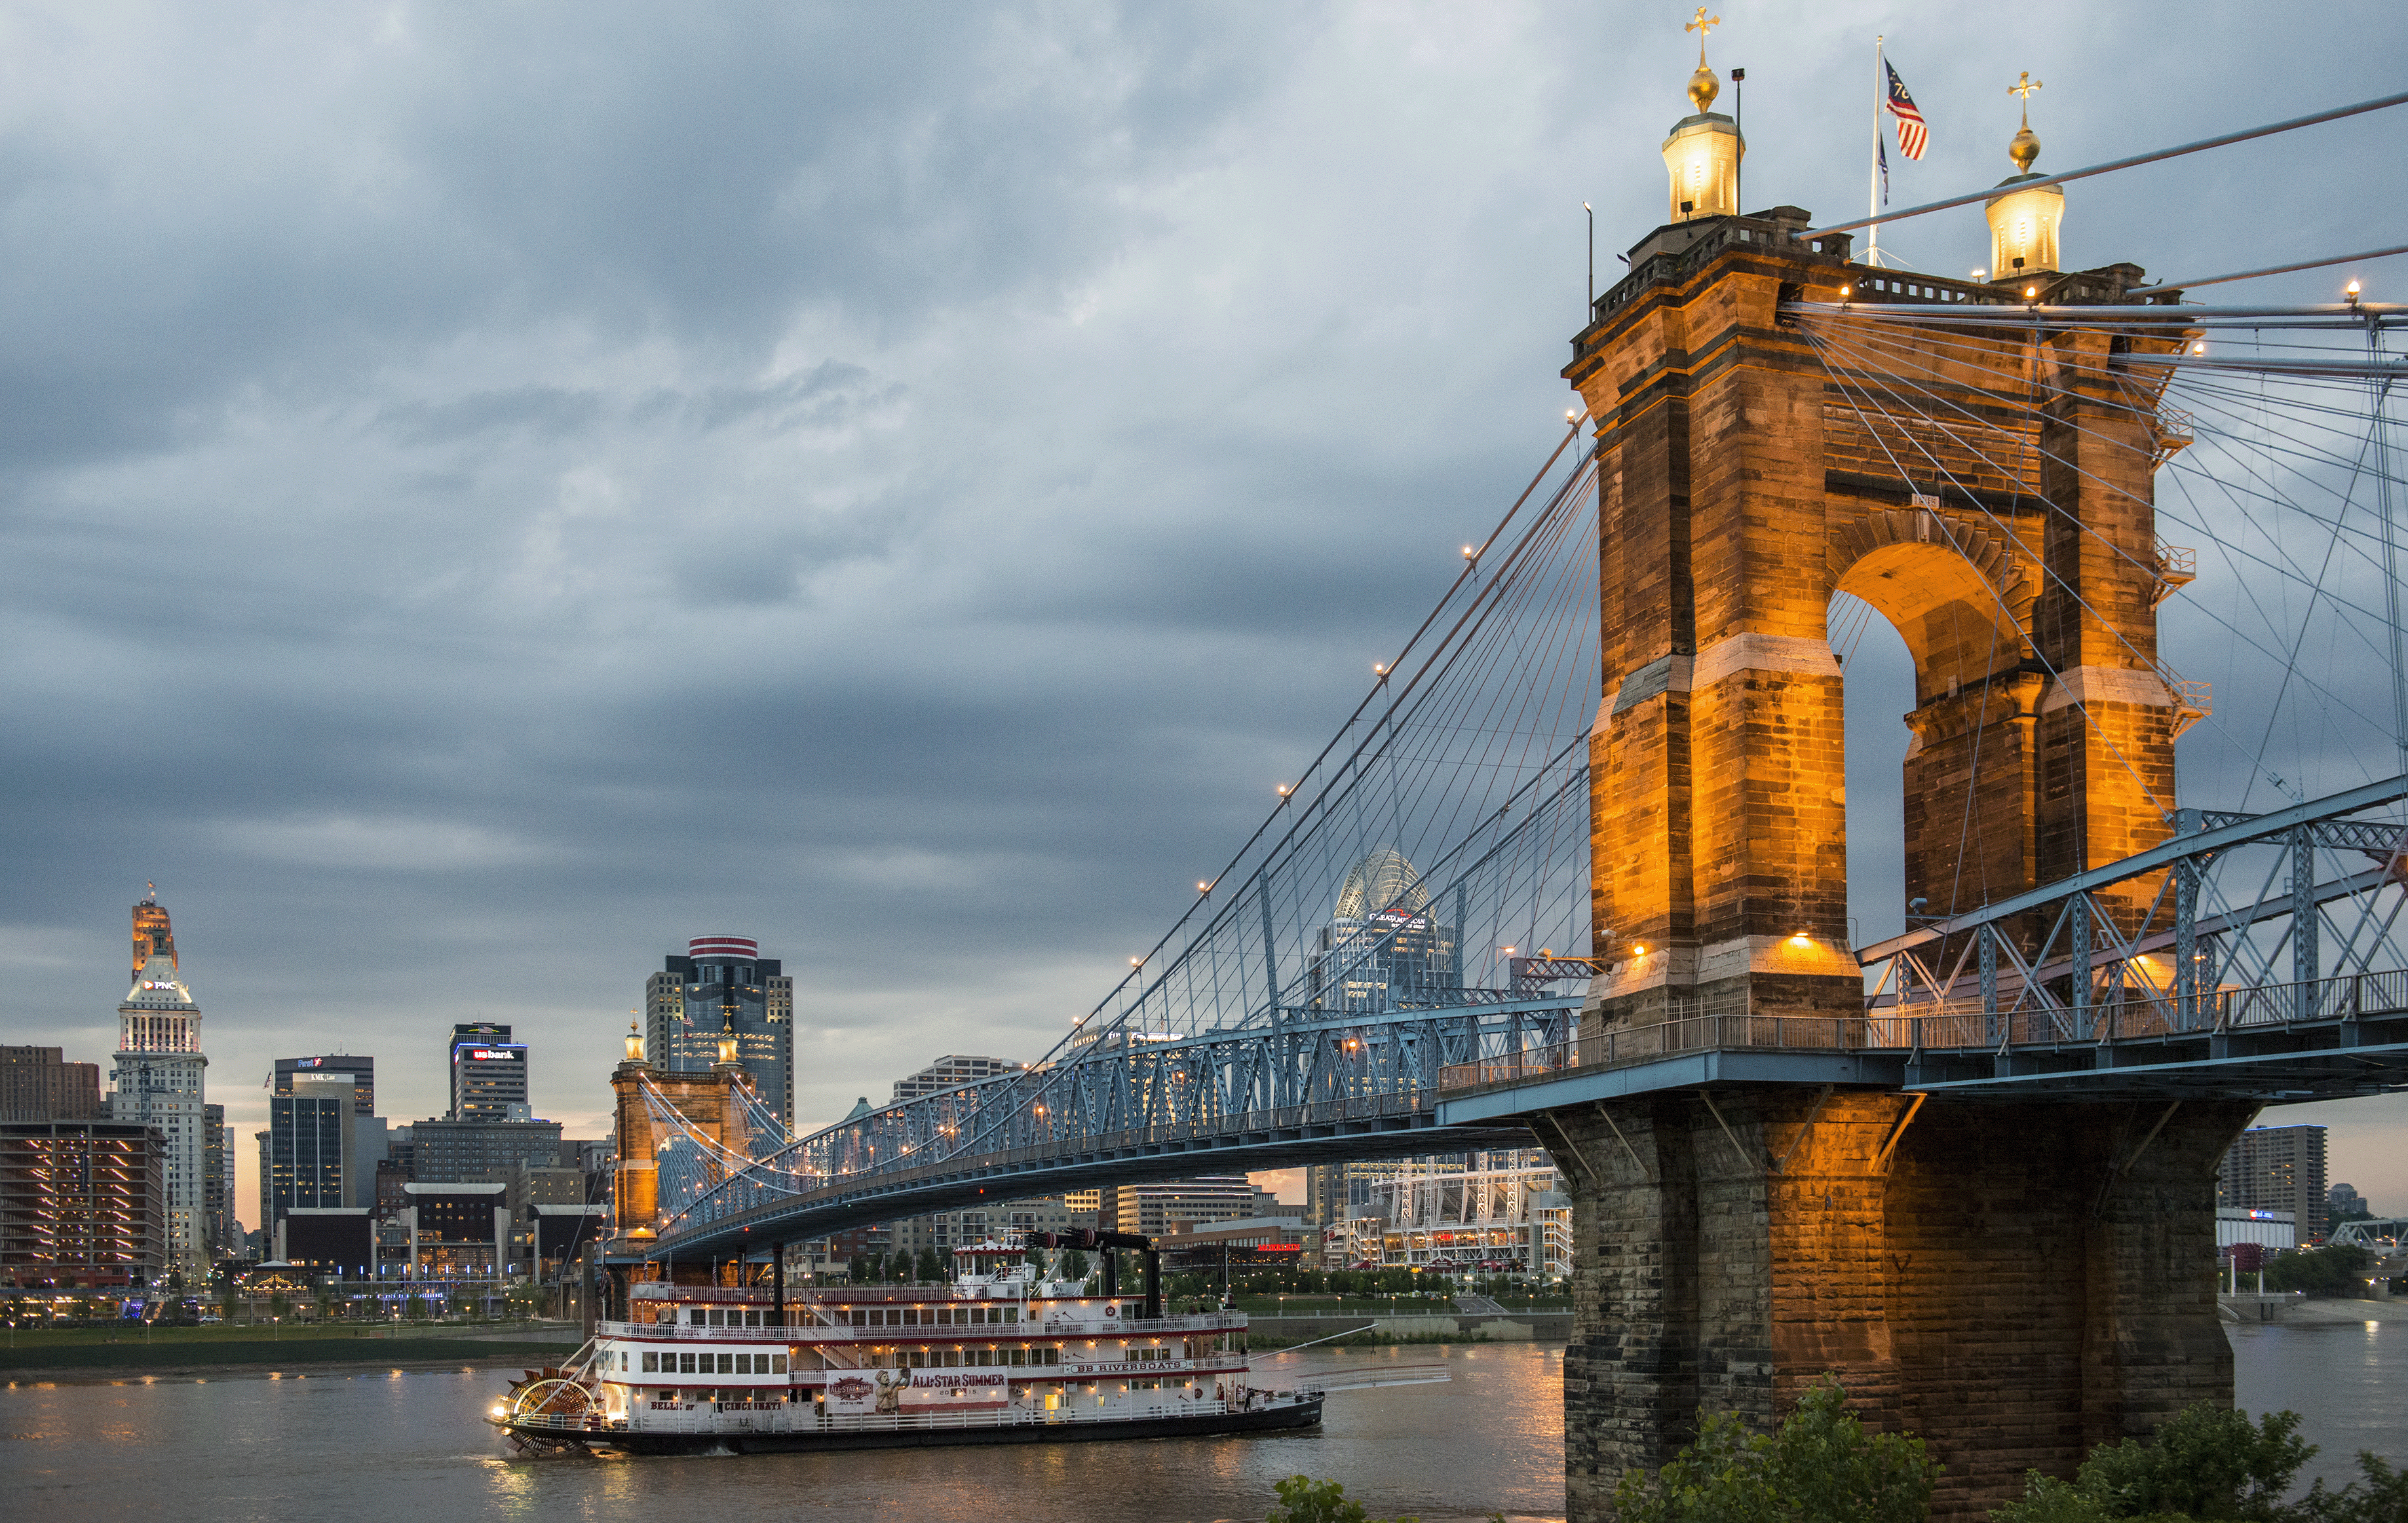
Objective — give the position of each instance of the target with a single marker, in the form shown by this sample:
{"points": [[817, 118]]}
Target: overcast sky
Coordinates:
{"points": [[488, 492]]}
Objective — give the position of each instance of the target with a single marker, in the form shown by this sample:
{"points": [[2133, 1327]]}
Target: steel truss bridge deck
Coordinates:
{"points": [[2003, 1021]]}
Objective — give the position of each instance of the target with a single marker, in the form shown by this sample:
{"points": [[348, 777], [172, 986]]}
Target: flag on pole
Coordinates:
{"points": [[1912, 134], [1881, 163]]}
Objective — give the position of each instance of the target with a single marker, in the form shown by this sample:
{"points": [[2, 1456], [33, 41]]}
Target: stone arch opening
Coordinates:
{"points": [[1959, 595], [1877, 692]]}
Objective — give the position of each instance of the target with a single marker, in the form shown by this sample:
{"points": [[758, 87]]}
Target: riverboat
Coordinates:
{"points": [[1000, 1356]]}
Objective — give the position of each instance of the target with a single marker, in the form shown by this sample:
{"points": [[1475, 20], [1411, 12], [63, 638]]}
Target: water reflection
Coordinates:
{"points": [[376, 1445], [381, 1444], [2348, 1382]]}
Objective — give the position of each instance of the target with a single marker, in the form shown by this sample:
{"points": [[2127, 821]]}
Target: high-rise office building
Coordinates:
{"points": [[35, 1084], [157, 1080], [217, 1183], [1382, 947], [951, 1071], [489, 1073], [362, 1070], [313, 1146], [723, 983], [2278, 1169]]}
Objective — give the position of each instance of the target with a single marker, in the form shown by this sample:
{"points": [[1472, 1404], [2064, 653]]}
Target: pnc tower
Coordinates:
{"points": [[1763, 446], [157, 1080]]}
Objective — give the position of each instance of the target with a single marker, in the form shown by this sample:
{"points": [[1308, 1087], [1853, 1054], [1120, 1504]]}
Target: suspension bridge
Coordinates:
{"points": [[1575, 866]]}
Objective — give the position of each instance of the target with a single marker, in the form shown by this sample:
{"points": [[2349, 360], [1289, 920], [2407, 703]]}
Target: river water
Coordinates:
{"points": [[336, 1447]]}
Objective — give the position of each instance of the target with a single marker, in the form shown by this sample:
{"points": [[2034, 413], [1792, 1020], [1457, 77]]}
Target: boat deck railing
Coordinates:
{"points": [[816, 1332]]}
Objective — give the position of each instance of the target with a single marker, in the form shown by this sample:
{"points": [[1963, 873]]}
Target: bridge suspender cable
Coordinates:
{"points": [[2273, 269], [2119, 163]]}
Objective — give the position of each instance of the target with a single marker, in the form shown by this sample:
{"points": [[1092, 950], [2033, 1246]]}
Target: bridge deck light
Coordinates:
{"points": [[1285, 789], [1638, 949], [1801, 939]]}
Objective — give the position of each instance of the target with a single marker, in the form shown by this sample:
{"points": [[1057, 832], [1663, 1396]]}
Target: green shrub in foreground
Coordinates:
{"points": [[2208, 1464], [1820, 1466], [1302, 1500]]}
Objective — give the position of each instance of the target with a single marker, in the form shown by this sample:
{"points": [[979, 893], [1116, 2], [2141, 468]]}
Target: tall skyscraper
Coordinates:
{"points": [[157, 1080], [489, 1073], [723, 982], [313, 1146], [2278, 1169]]}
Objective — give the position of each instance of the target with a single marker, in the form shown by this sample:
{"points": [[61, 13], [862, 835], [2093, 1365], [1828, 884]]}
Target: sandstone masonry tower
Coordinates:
{"points": [[2014, 1281]]}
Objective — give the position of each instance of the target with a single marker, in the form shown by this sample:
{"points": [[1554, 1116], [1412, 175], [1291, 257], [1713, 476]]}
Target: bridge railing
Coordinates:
{"points": [[1621, 1046], [1960, 1024]]}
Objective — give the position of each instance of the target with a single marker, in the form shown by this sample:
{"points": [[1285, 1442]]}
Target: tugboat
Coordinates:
{"points": [[1001, 1356]]}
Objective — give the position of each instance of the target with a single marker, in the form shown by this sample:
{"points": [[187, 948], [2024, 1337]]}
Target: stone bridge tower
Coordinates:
{"points": [[2014, 1281], [711, 1101]]}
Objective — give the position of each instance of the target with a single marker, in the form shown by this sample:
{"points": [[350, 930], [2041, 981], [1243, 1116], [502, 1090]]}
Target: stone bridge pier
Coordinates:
{"points": [[2015, 1283], [2013, 1280]]}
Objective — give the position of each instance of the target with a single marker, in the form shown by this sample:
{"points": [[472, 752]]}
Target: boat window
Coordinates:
{"points": [[918, 1359], [685, 1364], [952, 1358], [694, 1318], [1017, 1356], [1011, 1313], [652, 1363], [911, 1317], [718, 1317], [860, 1318], [777, 1364], [727, 1364]]}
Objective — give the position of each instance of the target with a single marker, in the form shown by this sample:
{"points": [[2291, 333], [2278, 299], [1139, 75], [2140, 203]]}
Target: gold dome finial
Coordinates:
{"points": [[1703, 86], [2024, 147]]}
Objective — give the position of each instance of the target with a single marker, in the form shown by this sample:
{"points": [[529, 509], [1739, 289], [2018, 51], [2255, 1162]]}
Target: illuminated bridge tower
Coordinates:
{"points": [[711, 1101], [2013, 1280]]}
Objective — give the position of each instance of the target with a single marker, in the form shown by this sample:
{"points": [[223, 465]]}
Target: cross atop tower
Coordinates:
{"points": [[2025, 84], [1701, 26]]}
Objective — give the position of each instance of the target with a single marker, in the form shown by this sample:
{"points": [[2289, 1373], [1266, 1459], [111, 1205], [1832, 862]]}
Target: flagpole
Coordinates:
{"points": [[1873, 192]]}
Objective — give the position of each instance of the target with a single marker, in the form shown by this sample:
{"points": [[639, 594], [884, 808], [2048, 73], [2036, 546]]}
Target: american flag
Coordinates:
{"points": [[1912, 134]]}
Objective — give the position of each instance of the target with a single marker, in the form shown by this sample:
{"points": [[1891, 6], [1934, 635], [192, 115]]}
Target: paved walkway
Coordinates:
{"points": [[1478, 1305]]}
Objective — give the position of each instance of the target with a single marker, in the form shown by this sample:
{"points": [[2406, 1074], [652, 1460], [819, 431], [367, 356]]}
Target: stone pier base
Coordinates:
{"points": [[2015, 1283]]}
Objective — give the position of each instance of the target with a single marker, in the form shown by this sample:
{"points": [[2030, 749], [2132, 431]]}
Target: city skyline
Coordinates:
{"points": [[656, 550]]}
